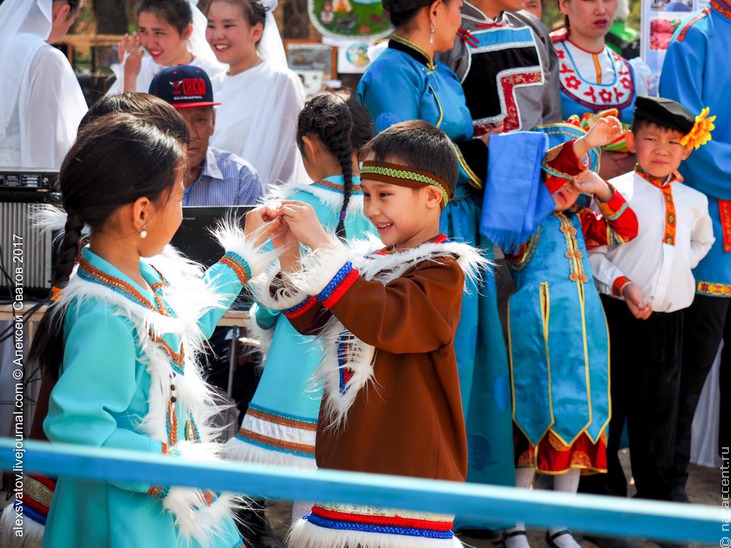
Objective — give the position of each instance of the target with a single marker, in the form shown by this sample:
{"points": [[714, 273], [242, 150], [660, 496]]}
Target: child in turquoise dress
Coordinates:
{"points": [[122, 334], [280, 423]]}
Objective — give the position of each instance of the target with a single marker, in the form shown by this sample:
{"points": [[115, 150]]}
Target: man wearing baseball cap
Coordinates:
{"points": [[214, 177]]}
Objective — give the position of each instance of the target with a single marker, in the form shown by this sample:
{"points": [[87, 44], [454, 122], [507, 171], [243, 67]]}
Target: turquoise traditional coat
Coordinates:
{"points": [[129, 381]]}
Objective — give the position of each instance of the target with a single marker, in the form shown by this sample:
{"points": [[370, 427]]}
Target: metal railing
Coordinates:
{"points": [[477, 503]]}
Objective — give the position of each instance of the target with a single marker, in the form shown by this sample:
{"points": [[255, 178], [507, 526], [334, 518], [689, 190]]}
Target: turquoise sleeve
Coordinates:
{"points": [[98, 386]]}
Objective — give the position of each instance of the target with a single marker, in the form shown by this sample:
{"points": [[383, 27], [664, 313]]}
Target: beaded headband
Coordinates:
{"points": [[397, 174]]}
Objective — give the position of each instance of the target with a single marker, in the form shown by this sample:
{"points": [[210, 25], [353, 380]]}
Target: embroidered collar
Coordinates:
{"points": [[106, 275], [655, 181], [722, 7], [402, 44], [337, 183]]}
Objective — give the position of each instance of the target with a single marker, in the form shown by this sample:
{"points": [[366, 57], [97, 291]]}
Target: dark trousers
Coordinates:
{"points": [[645, 372], [706, 321]]}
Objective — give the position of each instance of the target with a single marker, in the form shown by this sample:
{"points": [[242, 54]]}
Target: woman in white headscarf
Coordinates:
{"points": [[261, 98], [169, 33], [41, 102]]}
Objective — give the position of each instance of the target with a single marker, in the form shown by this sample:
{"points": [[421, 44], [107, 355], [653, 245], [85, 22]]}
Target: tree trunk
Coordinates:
{"points": [[296, 22], [111, 17]]}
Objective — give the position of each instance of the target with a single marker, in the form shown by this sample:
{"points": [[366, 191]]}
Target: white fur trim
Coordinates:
{"points": [[239, 450], [32, 531], [258, 333], [232, 238], [359, 360], [306, 535], [329, 197], [319, 267], [194, 518]]}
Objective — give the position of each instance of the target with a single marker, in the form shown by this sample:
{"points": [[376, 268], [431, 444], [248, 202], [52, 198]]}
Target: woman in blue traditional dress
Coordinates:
{"points": [[405, 83]]}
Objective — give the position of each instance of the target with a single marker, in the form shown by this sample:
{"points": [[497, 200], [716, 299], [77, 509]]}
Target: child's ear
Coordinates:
{"points": [[434, 197], [310, 148], [686, 151], [142, 210], [256, 32], [187, 32]]}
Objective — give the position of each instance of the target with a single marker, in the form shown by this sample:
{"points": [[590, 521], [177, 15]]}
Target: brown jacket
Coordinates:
{"points": [[407, 420]]}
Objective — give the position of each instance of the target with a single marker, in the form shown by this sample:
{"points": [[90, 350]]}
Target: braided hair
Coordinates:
{"points": [[343, 126], [93, 187]]}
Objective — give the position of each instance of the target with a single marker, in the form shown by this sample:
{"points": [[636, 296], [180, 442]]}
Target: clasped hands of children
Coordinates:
{"points": [[602, 133], [287, 225]]}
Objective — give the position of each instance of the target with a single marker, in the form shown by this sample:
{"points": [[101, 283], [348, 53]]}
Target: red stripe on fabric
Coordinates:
{"points": [[396, 521], [309, 303], [340, 290]]}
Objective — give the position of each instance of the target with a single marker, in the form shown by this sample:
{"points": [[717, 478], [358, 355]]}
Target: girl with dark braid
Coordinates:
{"points": [[122, 334], [279, 425]]}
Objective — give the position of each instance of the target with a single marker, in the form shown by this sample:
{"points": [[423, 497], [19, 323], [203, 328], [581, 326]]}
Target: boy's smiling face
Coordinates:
{"points": [[659, 151], [404, 217]]}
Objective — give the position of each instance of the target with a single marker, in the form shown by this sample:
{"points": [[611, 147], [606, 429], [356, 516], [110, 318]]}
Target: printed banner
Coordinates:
{"points": [[349, 19]]}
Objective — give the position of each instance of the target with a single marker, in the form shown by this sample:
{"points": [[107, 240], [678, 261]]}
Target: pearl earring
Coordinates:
{"points": [[143, 233], [431, 36]]}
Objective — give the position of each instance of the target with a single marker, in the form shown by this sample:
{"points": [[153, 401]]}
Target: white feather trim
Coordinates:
{"points": [[340, 344], [274, 292], [232, 238], [330, 197], [239, 450], [306, 535], [194, 518], [319, 267], [258, 333], [32, 531]]}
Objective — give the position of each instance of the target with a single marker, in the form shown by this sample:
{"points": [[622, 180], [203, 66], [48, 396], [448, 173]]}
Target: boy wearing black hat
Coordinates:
{"points": [[652, 274], [214, 177]]}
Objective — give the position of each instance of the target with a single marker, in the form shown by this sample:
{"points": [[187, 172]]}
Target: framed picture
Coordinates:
{"points": [[304, 55]]}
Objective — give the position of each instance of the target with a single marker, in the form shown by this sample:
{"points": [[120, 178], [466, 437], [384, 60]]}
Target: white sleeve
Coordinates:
{"points": [[701, 235], [603, 269], [52, 110]]}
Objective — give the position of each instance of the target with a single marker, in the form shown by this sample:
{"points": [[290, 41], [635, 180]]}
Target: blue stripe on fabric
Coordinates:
{"points": [[335, 282], [381, 529]]}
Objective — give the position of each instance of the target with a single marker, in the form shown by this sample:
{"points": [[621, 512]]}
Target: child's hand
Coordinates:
{"points": [[130, 52], [304, 224], [588, 182], [603, 132], [633, 297], [261, 223]]}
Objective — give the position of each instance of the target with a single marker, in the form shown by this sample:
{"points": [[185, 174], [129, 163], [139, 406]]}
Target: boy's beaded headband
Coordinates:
{"points": [[397, 174]]}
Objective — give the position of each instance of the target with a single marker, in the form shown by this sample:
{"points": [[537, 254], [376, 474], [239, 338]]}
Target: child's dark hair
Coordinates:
{"points": [[344, 127], [115, 160], [158, 112], [418, 145], [254, 11], [74, 5], [638, 122], [176, 12]]}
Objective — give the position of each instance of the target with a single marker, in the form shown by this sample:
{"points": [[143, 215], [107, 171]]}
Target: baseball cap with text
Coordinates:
{"points": [[183, 86]]}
